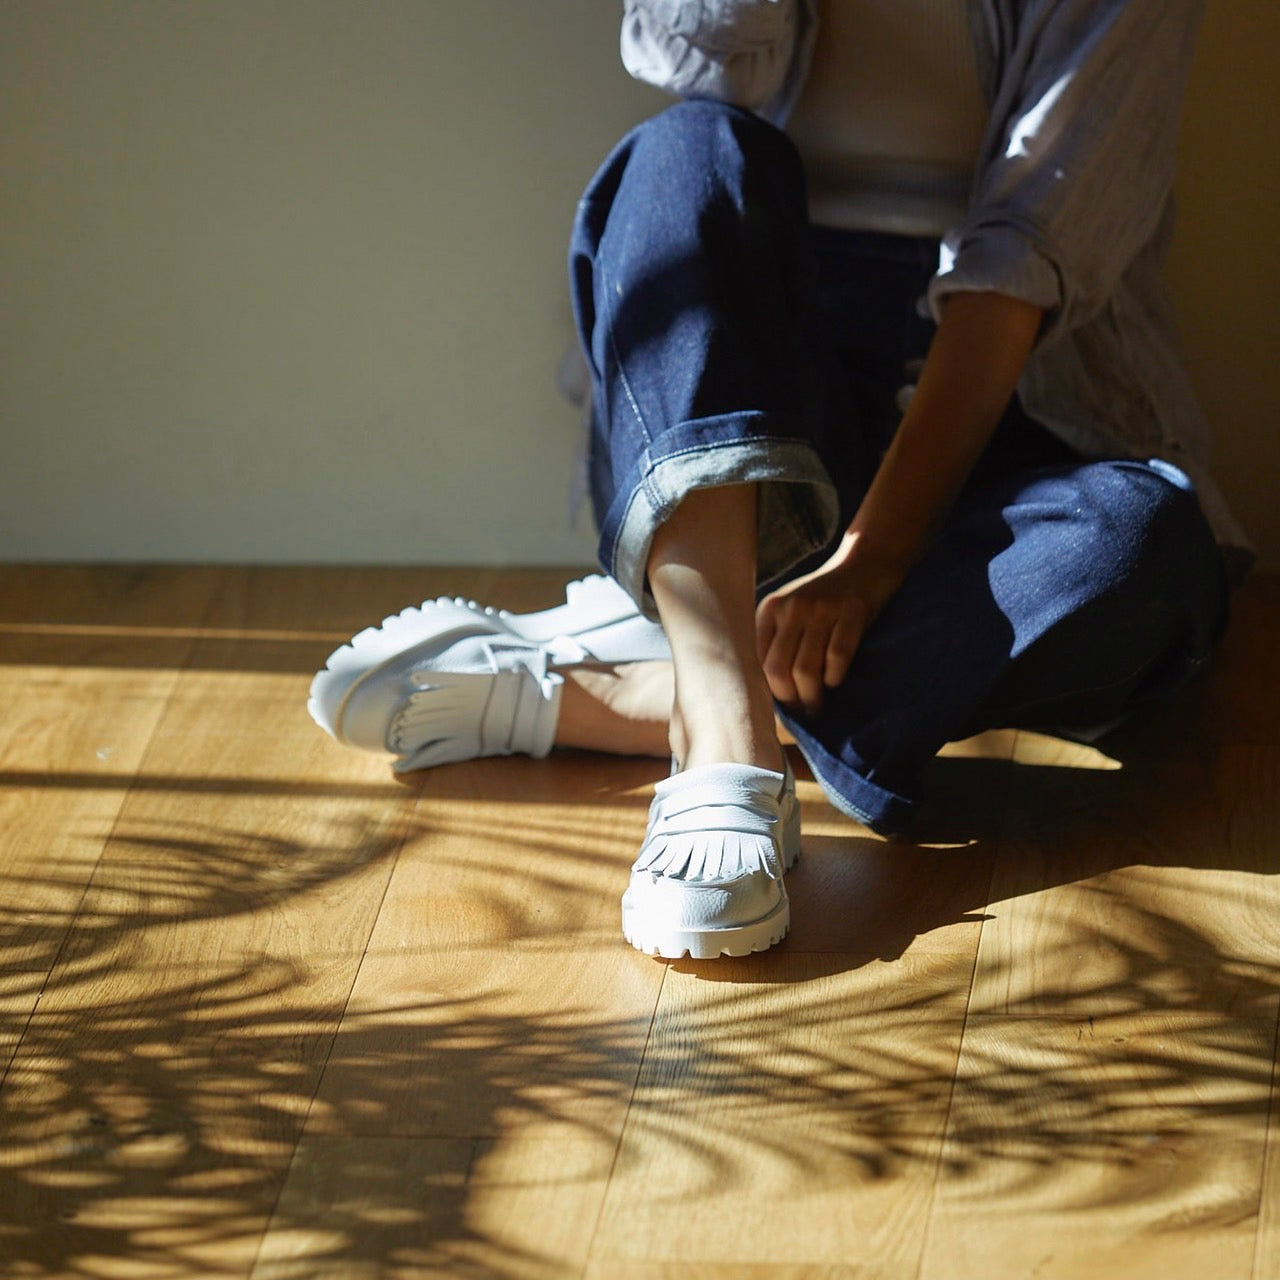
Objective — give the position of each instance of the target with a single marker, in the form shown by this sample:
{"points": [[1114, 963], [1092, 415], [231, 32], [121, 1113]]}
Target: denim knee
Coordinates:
{"points": [[698, 136], [1148, 515], [1112, 525], [1059, 598], [1170, 554], [1115, 591]]}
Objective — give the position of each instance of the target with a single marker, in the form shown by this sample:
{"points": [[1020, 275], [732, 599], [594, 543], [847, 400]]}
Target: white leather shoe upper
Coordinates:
{"points": [[709, 877], [452, 680]]}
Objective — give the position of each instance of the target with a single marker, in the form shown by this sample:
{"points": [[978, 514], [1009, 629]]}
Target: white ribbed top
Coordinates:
{"points": [[891, 117]]}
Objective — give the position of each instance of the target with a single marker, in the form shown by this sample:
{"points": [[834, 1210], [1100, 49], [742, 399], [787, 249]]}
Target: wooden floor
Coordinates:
{"points": [[267, 1010]]}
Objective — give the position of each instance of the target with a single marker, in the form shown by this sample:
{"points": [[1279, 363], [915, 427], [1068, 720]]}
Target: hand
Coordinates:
{"points": [[808, 631]]}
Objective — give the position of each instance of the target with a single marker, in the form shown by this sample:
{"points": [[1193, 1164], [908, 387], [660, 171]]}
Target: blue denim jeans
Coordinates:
{"points": [[731, 342]]}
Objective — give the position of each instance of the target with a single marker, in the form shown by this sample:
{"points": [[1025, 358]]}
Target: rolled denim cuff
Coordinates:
{"points": [[799, 510]]}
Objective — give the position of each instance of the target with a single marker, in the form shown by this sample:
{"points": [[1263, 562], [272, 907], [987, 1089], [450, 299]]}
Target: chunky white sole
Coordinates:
{"points": [[705, 944]]}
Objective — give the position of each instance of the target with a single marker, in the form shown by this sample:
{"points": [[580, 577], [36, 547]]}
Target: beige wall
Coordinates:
{"points": [[1225, 270], [282, 280]]}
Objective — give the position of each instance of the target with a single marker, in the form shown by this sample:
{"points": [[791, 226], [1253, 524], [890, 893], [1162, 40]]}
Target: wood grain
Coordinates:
{"points": [[88, 660], [1126, 1145], [437, 1207], [789, 1109]]}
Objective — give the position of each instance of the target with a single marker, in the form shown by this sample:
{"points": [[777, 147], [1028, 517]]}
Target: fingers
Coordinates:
{"points": [[776, 645], [810, 661], [842, 645], [804, 644]]}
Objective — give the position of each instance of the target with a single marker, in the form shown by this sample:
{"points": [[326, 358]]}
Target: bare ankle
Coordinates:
{"points": [[726, 724], [622, 709]]}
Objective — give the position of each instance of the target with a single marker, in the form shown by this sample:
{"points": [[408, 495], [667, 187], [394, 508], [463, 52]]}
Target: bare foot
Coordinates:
{"points": [[625, 709]]}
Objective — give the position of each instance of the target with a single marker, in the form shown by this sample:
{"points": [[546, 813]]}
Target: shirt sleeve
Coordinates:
{"points": [[1078, 163], [736, 51]]}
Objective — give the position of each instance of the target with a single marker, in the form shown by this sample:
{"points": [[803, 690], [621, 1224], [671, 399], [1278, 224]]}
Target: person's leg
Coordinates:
{"points": [[702, 573], [711, 704], [692, 274], [692, 271], [725, 827]]}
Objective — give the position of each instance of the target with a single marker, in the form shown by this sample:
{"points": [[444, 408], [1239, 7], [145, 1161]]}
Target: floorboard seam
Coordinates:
{"points": [[1269, 1144], [626, 1121], [951, 1092]]}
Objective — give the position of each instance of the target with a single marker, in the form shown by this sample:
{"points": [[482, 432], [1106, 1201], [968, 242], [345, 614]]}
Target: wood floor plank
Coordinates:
{"points": [[854, 892], [73, 741], [289, 619], [789, 1110], [157, 1094], [857, 892], [88, 661], [19, 995], [141, 617], [518, 851], [444, 1208], [150, 1115], [1150, 887], [1130, 1145], [490, 1042], [1119, 1127], [614, 1269], [243, 833], [245, 837]]}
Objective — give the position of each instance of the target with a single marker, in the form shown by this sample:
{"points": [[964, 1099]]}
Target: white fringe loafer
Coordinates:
{"points": [[454, 680], [709, 878]]}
